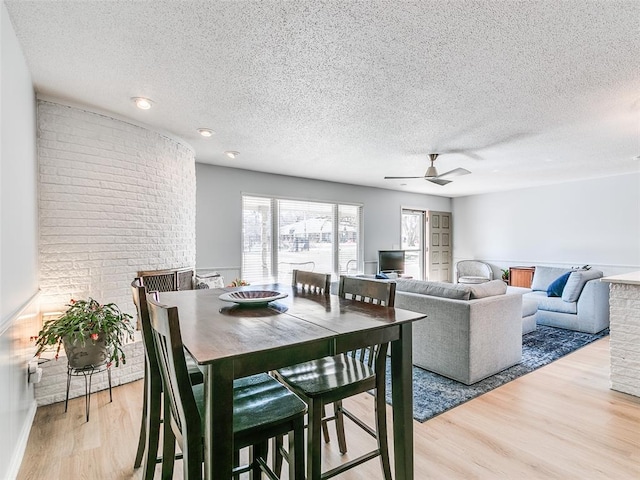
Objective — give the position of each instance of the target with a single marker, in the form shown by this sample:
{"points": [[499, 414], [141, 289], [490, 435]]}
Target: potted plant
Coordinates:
{"points": [[91, 333], [505, 275]]}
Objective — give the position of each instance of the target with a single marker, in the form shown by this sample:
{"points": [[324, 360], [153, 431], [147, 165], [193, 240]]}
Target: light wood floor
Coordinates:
{"points": [[559, 422]]}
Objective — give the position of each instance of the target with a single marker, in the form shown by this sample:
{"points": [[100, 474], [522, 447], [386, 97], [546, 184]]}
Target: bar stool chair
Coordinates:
{"points": [[253, 423], [152, 401], [332, 379]]}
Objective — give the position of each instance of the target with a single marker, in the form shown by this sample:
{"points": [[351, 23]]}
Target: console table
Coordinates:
{"points": [[521, 276]]}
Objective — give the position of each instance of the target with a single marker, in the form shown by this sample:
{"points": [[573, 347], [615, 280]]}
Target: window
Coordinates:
{"points": [[413, 242], [280, 235]]}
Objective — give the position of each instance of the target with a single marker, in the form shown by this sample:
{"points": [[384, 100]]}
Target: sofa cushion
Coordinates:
{"points": [[556, 304], [529, 307], [435, 289], [557, 286], [543, 276], [488, 289], [472, 280], [551, 304], [576, 282]]}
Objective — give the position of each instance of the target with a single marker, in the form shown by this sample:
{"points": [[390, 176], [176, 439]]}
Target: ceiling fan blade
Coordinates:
{"points": [[456, 172], [438, 181], [399, 178]]}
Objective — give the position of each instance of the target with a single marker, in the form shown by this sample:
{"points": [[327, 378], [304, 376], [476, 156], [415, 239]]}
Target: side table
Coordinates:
{"points": [[521, 276]]}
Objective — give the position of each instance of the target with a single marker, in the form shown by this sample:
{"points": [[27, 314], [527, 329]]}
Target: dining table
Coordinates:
{"points": [[231, 339]]}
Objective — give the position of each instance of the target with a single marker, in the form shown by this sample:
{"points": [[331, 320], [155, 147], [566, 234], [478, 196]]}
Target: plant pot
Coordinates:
{"points": [[91, 353]]}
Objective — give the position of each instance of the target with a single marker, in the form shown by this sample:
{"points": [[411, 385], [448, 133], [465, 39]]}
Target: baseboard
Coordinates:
{"points": [[21, 445]]}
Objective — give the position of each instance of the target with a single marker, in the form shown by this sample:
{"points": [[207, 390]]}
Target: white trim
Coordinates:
{"points": [[13, 316], [21, 445]]}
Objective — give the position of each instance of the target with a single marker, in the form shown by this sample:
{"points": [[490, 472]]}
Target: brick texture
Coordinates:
{"points": [[114, 198], [625, 338]]}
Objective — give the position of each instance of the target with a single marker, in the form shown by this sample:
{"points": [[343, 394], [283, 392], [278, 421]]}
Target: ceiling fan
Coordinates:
{"points": [[432, 174]]}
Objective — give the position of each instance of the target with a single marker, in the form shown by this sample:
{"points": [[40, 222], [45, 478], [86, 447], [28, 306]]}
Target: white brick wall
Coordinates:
{"points": [[625, 338], [115, 198]]}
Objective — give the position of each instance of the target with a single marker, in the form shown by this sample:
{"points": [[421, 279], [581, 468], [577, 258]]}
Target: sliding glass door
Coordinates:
{"points": [[413, 227], [280, 235]]}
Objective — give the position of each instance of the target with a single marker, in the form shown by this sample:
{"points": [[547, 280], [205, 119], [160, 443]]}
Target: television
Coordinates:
{"points": [[391, 261]]}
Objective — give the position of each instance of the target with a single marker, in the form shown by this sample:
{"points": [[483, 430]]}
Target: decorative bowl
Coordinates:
{"points": [[252, 297]]}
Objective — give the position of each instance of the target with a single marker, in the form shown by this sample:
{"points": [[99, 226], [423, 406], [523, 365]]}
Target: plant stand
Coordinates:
{"points": [[87, 372]]}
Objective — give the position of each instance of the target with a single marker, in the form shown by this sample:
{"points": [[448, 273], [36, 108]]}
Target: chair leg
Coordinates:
{"points": [[296, 450], [154, 398], [143, 438], [276, 455], [169, 445], [258, 450], [325, 427], [342, 441], [381, 430], [314, 422]]}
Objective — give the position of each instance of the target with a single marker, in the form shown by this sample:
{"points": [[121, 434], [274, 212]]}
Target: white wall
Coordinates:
{"points": [[115, 198], [18, 244], [595, 222], [219, 210]]}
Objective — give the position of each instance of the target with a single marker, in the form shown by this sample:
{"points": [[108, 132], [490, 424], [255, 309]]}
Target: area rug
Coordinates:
{"points": [[434, 394]]}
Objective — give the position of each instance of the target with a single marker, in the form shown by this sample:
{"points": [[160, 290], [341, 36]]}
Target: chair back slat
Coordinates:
{"points": [[168, 280], [185, 279], [165, 327], [377, 292], [158, 282], [311, 281]]}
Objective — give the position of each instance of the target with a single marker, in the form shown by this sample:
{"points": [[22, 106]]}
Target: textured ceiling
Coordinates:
{"points": [[519, 93]]}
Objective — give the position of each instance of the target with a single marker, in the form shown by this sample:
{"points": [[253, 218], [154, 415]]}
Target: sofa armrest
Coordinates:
{"points": [[593, 306], [466, 340]]}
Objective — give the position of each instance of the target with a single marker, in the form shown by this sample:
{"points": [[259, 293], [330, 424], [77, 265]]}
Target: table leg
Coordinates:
{"points": [[218, 398], [402, 395]]}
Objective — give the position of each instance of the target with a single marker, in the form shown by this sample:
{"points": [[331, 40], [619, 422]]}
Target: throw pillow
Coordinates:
{"points": [[557, 286], [209, 280], [381, 276], [576, 283]]}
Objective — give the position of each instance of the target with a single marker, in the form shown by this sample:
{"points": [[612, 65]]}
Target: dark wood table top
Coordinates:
{"points": [[214, 330], [233, 341]]}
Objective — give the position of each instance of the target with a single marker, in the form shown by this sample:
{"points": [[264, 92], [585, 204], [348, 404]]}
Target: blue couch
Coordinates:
{"points": [[583, 305]]}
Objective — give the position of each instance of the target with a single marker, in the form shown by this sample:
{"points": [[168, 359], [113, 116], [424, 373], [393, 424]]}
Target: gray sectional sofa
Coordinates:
{"points": [[471, 331], [583, 305]]}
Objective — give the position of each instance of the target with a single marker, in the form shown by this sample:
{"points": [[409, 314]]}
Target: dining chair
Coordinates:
{"points": [[152, 400], [311, 281], [168, 280], [262, 408], [332, 379]]}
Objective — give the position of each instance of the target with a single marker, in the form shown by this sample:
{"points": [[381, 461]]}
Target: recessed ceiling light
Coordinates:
{"points": [[637, 157], [231, 154], [142, 103], [205, 132]]}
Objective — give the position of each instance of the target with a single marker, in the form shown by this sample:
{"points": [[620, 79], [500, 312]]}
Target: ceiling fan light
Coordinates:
{"points": [[431, 172]]}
